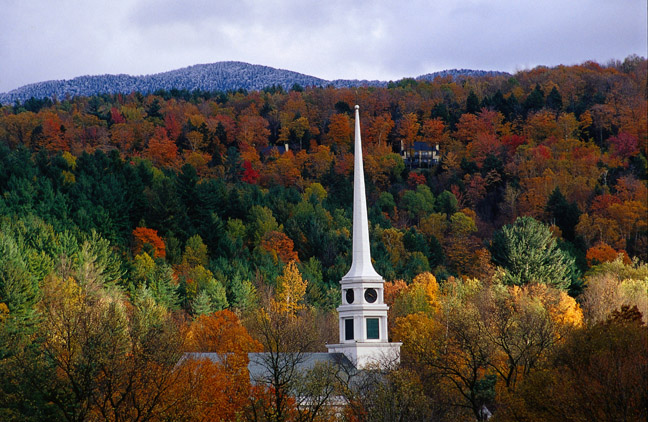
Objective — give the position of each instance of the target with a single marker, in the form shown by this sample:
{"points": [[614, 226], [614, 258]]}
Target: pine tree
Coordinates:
{"points": [[554, 100], [564, 214], [528, 253], [18, 286], [195, 252], [243, 293], [217, 295], [472, 103], [512, 107], [163, 287], [535, 101], [202, 304]]}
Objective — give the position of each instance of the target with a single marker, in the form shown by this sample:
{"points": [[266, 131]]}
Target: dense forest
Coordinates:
{"points": [[134, 228]]}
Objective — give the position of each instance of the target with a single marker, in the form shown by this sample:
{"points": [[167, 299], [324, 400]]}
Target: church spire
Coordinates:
{"points": [[361, 266], [364, 338]]}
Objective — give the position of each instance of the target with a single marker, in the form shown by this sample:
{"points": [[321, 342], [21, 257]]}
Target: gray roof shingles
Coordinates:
{"points": [[258, 367]]}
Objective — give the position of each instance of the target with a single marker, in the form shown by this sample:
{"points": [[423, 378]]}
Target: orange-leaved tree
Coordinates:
{"points": [[144, 236], [379, 129], [280, 246], [253, 130], [434, 131], [224, 381], [340, 131], [54, 138], [161, 150], [602, 252], [408, 129]]}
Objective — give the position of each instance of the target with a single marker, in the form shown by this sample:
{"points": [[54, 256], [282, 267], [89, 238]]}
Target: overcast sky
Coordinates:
{"points": [[332, 39]]}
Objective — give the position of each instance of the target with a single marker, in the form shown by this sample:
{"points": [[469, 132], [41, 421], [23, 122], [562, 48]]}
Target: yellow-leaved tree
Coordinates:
{"points": [[291, 289], [468, 335]]}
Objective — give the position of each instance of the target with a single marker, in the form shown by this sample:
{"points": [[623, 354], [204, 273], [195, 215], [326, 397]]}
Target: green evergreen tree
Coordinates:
{"points": [[554, 100], [233, 165], [165, 209], [513, 108], [211, 203], [576, 270], [563, 214], [441, 110], [202, 304], [498, 102], [185, 185], [414, 241], [163, 287], [217, 295], [536, 100], [18, 285], [231, 244], [108, 263], [386, 202], [528, 253], [153, 110], [472, 103], [436, 256], [243, 293], [261, 222], [195, 252]]}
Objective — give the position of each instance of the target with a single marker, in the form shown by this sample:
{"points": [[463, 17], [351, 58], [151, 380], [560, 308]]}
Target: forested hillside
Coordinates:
{"points": [[221, 76], [153, 216]]}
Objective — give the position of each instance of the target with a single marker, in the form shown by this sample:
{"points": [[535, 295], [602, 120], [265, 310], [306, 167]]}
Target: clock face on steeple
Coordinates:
{"points": [[349, 296], [370, 295]]}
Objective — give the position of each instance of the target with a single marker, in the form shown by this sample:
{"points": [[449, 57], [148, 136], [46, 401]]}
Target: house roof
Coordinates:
{"points": [[423, 146], [281, 149]]}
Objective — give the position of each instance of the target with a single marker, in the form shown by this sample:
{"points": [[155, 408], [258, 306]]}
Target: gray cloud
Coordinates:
{"points": [[380, 39]]}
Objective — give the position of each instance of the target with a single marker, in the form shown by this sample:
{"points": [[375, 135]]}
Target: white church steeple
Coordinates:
{"points": [[361, 266], [363, 312]]}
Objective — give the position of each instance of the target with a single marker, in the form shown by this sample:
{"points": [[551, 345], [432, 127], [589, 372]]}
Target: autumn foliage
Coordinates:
{"points": [[280, 246], [137, 229], [145, 236], [224, 384], [602, 252]]}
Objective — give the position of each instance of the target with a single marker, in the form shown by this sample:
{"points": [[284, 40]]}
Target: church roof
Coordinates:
{"points": [[258, 365]]}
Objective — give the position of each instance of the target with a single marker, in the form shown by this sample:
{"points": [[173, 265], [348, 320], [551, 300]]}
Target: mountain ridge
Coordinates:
{"points": [[218, 76]]}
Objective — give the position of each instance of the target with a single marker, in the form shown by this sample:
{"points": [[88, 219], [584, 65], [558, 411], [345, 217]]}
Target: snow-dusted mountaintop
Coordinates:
{"points": [[459, 73], [220, 76]]}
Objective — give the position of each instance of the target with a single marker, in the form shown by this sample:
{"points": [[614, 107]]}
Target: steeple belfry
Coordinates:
{"points": [[361, 266], [363, 312]]}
